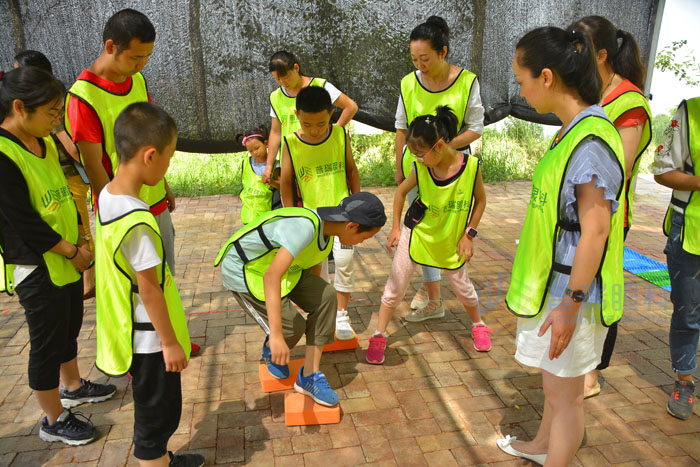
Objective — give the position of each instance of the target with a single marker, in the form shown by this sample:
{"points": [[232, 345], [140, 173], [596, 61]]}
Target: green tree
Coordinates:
{"points": [[686, 69]]}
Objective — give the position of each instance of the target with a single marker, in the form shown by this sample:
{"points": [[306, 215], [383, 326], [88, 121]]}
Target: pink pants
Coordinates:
{"points": [[402, 269]]}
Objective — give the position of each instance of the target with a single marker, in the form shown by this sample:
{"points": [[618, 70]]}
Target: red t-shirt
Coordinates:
{"points": [[632, 117], [85, 125]]}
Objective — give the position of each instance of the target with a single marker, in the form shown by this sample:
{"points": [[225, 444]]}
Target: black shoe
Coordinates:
{"points": [[185, 460], [680, 403], [68, 429], [88, 392]]}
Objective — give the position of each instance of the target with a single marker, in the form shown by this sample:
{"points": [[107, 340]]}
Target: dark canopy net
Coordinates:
{"points": [[209, 65]]}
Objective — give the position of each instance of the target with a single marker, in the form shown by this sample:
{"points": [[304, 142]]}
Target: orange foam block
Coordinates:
{"points": [[271, 384], [302, 410], [342, 345]]}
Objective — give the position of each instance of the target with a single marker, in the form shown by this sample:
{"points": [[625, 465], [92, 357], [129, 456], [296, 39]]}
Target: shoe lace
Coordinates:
{"points": [[72, 422], [481, 330], [430, 307], [320, 382], [376, 343]]}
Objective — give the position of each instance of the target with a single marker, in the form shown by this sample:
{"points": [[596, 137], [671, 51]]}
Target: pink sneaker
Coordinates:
{"points": [[375, 353], [482, 340]]}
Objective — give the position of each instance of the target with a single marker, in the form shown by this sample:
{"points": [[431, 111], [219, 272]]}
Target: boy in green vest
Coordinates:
{"points": [[677, 165], [141, 324], [267, 265], [317, 169]]}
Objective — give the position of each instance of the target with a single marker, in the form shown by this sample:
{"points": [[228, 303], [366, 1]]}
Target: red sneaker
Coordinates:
{"points": [[482, 340], [375, 353], [195, 349]]}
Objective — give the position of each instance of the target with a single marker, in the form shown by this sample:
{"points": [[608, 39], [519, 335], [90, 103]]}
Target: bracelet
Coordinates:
{"points": [[74, 254]]}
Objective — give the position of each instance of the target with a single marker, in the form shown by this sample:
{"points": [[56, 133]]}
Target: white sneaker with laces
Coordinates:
{"points": [[343, 330], [420, 299], [434, 309]]}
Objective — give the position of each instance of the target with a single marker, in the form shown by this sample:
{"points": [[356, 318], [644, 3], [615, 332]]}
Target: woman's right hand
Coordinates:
{"points": [[393, 239], [83, 259]]}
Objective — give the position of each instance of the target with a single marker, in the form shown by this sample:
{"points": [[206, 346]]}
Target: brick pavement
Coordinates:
{"points": [[435, 401]]}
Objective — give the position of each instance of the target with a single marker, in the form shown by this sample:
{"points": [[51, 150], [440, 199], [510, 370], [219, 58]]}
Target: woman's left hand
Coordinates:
{"points": [[562, 320]]}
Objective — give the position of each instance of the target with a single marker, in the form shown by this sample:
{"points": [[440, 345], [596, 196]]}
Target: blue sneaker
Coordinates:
{"points": [[277, 371], [316, 387]]}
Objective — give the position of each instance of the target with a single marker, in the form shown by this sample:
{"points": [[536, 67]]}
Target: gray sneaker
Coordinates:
{"points": [[433, 309], [680, 403]]}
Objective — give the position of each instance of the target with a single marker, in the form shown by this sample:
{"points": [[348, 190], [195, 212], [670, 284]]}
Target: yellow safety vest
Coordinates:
{"points": [[254, 269], [117, 286], [319, 168], [419, 101], [690, 233], [434, 239], [534, 262], [108, 105], [256, 197], [52, 200]]}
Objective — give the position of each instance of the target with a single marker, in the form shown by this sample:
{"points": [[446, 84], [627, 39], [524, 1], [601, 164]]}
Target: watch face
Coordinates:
{"points": [[578, 295], [472, 233]]}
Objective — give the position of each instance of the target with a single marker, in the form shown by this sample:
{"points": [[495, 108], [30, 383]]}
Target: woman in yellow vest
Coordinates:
{"points": [[440, 225], [434, 83], [623, 73], [677, 165], [257, 197], [285, 69], [566, 283], [44, 250]]}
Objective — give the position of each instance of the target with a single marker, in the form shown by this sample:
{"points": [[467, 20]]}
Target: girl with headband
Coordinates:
{"points": [[257, 197]]}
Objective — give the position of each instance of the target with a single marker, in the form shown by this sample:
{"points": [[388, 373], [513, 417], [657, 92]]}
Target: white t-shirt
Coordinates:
{"points": [[473, 116], [332, 90], [139, 250]]}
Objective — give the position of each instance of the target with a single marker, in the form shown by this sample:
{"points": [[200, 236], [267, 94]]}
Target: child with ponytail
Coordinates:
{"points": [[440, 225], [257, 197]]}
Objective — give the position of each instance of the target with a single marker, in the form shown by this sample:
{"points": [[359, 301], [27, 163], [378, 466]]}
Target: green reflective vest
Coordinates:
{"points": [[254, 268], [690, 233], [319, 168], [434, 239], [534, 262], [51, 198], [614, 109], [284, 107], [108, 106], [419, 101], [117, 286], [256, 197]]}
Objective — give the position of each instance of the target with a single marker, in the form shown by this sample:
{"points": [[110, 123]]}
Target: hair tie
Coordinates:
{"points": [[620, 34], [428, 121], [246, 138], [574, 37]]}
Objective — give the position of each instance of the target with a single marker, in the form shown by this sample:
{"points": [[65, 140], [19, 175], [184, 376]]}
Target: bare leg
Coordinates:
{"points": [[385, 314], [343, 300], [473, 313], [312, 362], [591, 380], [160, 462], [433, 290], [70, 375], [50, 403]]}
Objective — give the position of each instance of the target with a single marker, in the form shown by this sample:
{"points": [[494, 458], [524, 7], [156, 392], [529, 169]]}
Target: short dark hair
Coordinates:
{"points": [[34, 58], [430, 128], [314, 99], [625, 59], [142, 124], [569, 54], [282, 62], [32, 85], [126, 25], [435, 31]]}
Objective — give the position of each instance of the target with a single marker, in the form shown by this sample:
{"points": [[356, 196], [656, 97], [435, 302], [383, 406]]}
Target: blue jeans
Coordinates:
{"points": [[430, 274], [684, 270]]}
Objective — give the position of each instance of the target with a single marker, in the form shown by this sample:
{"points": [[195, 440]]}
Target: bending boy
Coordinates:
{"points": [[266, 266]]}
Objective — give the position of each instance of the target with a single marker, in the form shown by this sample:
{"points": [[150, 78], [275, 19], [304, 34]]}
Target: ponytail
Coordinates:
{"points": [[431, 128], [569, 54], [623, 51]]}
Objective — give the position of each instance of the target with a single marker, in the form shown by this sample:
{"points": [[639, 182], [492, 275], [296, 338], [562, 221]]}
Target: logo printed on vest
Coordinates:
{"points": [[329, 169], [538, 198], [305, 173], [53, 198]]}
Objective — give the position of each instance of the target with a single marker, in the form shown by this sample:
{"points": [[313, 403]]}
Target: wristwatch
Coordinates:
{"points": [[577, 296], [472, 232]]}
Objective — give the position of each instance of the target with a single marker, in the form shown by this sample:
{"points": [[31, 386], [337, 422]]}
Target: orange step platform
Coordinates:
{"points": [[271, 384], [302, 410], [342, 345]]}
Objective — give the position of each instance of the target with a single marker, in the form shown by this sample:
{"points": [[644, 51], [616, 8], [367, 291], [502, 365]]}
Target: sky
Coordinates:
{"points": [[680, 20]]}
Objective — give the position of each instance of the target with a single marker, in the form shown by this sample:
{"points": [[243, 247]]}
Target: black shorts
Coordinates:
{"points": [[54, 317]]}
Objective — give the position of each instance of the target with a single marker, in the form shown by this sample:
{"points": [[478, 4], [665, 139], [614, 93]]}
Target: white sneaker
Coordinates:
{"points": [[420, 299], [343, 330]]}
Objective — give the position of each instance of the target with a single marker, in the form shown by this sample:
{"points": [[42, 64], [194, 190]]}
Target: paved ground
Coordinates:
{"points": [[435, 401]]}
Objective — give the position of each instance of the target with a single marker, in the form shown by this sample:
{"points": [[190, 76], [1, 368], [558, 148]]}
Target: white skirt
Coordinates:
{"points": [[580, 356]]}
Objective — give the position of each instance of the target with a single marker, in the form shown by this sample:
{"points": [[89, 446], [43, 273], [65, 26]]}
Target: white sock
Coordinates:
{"points": [[479, 323], [383, 334]]}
